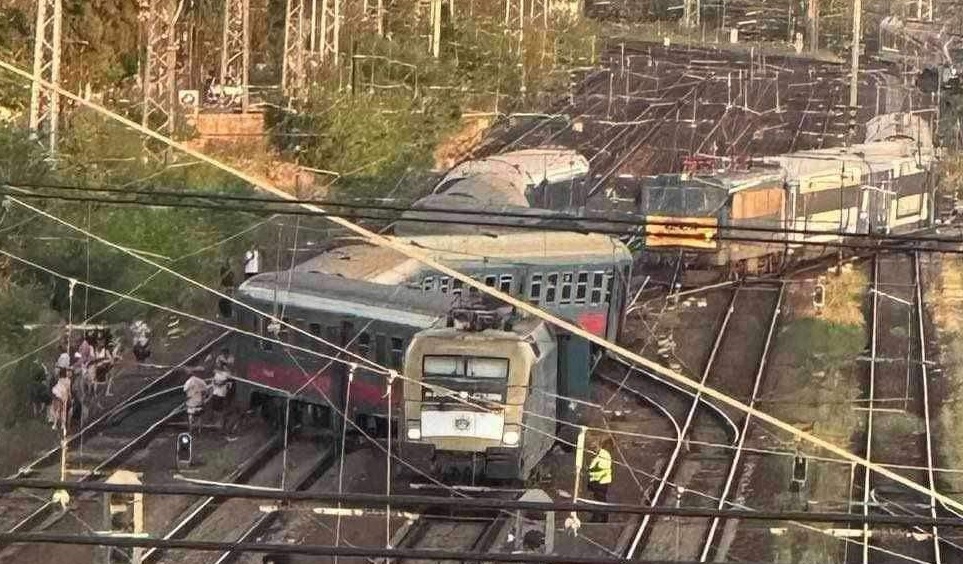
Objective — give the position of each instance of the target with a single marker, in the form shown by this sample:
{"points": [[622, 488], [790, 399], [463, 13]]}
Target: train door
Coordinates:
{"points": [[874, 208]]}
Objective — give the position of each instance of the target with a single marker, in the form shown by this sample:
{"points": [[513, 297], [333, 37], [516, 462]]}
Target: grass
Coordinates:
{"points": [[813, 381], [798, 546]]}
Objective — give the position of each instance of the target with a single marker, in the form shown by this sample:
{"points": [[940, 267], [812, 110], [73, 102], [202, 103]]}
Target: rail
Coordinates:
{"points": [[265, 521], [205, 506], [42, 513], [870, 497], [747, 419], [690, 416], [141, 395]]}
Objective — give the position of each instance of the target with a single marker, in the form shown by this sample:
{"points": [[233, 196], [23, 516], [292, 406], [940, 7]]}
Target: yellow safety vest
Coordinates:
{"points": [[600, 470]]}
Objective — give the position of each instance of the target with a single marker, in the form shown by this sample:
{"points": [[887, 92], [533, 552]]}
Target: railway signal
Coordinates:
{"points": [[184, 450]]}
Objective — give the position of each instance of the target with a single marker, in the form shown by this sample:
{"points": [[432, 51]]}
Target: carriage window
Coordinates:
{"points": [[566, 288], [491, 280], [608, 287], [397, 352], [443, 284], [428, 284], [535, 288], [364, 344], [381, 349], [456, 287], [551, 287], [598, 280], [581, 287], [505, 283], [265, 344], [314, 329]]}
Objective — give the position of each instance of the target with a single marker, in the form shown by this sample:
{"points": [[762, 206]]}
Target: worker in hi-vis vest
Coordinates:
{"points": [[600, 475]]}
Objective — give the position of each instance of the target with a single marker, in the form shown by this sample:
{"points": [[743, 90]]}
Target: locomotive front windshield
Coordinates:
{"points": [[464, 377], [684, 200], [472, 367]]}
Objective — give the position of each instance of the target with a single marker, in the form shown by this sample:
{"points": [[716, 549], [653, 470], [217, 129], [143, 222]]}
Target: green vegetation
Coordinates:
{"points": [[813, 382], [800, 546]]}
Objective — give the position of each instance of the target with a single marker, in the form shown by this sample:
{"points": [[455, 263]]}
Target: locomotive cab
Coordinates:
{"points": [[480, 399]]}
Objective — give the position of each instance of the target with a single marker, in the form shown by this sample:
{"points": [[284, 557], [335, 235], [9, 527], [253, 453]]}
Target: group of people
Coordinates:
{"points": [[198, 391], [81, 369]]}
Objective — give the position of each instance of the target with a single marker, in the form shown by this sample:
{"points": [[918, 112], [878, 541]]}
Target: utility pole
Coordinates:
{"points": [[44, 103], [292, 68], [854, 76], [857, 40], [159, 67], [812, 15], [236, 46], [331, 31], [435, 20]]}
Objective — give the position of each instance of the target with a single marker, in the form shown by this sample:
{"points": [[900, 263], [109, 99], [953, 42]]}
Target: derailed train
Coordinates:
{"points": [[755, 220], [378, 304], [488, 397]]}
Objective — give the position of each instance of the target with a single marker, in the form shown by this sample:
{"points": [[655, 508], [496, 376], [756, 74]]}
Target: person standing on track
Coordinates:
{"points": [[195, 389], [223, 372], [600, 476]]}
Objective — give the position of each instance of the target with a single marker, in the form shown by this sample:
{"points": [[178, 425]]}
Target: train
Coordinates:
{"points": [[372, 301], [758, 218], [481, 395]]}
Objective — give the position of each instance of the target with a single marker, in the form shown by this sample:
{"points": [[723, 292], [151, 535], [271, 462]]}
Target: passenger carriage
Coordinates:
{"points": [[373, 300]]}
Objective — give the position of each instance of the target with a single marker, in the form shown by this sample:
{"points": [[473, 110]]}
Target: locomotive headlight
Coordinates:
{"points": [[414, 434], [510, 438]]}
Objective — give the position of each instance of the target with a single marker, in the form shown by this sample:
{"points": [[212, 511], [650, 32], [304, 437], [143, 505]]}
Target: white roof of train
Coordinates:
{"points": [[532, 166], [385, 266], [872, 157]]}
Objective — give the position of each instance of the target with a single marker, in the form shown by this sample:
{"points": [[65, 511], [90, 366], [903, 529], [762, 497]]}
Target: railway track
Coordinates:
{"points": [[897, 418], [214, 518], [474, 532], [704, 478], [113, 438]]}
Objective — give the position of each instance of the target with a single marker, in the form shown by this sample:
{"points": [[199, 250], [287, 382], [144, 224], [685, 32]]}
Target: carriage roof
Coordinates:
{"points": [[385, 266], [337, 294]]}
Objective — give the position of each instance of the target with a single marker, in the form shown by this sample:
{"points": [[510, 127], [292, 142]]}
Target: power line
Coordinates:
{"points": [[352, 499], [890, 243], [418, 255], [629, 219], [323, 550]]}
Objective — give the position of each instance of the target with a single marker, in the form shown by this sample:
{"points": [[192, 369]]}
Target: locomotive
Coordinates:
{"points": [[880, 186]]}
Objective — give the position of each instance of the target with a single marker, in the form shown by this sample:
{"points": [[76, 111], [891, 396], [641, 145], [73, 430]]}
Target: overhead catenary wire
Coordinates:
{"points": [[319, 550], [876, 242], [139, 285], [343, 415], [358, 499], [627, 219], [416, 254]]}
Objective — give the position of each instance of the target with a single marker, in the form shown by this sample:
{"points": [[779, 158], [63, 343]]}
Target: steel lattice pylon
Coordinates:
{"points": [[235, 46], [539, 12], [159, 18], [331, 31], [292, 70], [691, 13], [45, 103]]}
